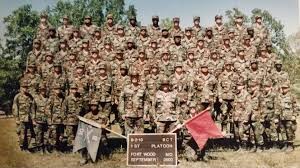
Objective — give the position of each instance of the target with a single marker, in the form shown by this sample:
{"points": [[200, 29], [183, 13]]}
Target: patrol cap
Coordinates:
{"points": [[239, 16], [177, 35], [32, 65], [119, 50], [257, 16], [165, 51], [123, 66], [228, 62], [176, 19], [44, 15], [154, 66], [52, 28], [107, 41], [102, 66], [94, 50], [120, 27], [164, 28], [42, 86], [278, 62], [165, 81], [250, 28], [191, 51], [240, 82], [24, 84], [65, 17], [193, 104], [75, 29], [132, 18], [153, 40], [155, 17], [56, 86], [142, 50], [218, 17], [109, 16], [247, 37], [94, 102], [203, 64], [49, 53], [200, 38], [231, 30], [226, 37], [285, 84], [196, 18], [36, 41], [134, 73], [188, 29], [57, 64], [240, 49], [209, 29], [88, 17], [130, 40], [263, 48], [252, 61], [143, 28], [80, 64], [253, 83]]}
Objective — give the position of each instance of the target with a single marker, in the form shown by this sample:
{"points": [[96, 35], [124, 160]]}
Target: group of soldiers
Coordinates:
{"points": [[151, 79]]}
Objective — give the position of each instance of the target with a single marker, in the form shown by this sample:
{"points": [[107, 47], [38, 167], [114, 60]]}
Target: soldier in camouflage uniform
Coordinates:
{"points": [[255, 73], [56, 77], [119, 40], [219, 28], [41, 117], [97, 40], [76, 41], [52, 41], [95, 115], [240, 115], [88, 28], [120, 80], [153, 52], [154, 29], [197, 29], [133, 106], [165, 40], [175, 29], [260, 29], [132, 30], [131, 53], [81, 80], [278, 76], [35, 56], [72, 107], [65, 30], [165, 108], [46, 68], [288, 110], [63, 51], [32, 78], [43, 28], [55, 117], [202, 88], [270, 114], [143, 39], [24, 111], [201, 52], [109, 29], [102, 89], [225, 92], [69, 66], [177, 50], [256, 117], [189, 41], [239, 28]]}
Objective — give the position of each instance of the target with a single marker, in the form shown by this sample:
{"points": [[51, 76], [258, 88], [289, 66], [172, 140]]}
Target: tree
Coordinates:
{"points": [[166, 23]]}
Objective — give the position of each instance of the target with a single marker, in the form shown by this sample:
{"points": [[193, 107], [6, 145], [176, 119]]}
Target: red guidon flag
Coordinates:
{"points": [[202, 127]]}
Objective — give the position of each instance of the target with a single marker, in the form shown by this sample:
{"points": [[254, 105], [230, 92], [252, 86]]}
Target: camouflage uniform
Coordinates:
{"points": [[177, 51], [152, 30], [109, 30], [87, 31], [133, 106], [32, 78], [72, 107], [219, 29], [132, 30], [55, 117], [35, 56], [166, 109], [270, 114], [102, 88], [288, 110], [65, 31], [52, 42], [197, 29], [143, 40], [241, 113], [189, 41], [256, 116], [76, 42], [166, 66], [46, 67], [23, 110], [41, 118], [176, 30]]}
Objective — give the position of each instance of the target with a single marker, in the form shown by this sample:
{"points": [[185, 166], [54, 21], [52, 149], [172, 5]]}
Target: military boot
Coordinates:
{"points": [[290, 147]]}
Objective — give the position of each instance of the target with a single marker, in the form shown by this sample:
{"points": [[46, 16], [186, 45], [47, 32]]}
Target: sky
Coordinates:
{"points": [[284, 10]]}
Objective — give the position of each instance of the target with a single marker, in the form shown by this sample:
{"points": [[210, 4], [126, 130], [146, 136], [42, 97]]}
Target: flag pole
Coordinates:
{"points": [[185, 122], [95, 124]]}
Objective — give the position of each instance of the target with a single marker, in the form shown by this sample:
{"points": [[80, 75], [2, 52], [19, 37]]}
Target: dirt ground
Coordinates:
{"points": [[12, 157]]}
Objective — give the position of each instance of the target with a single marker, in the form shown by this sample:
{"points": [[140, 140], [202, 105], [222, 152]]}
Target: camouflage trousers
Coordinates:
{"points": [[134, 125], [40, 130], [241, 131], [26, 135], [54, 135], [256, 133], [70, 134], [165, 126], [287, 130], [271, 130], [226, 115]]}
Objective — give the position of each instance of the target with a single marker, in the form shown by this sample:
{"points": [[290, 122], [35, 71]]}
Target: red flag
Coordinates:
{"points": [[202, 127]]}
